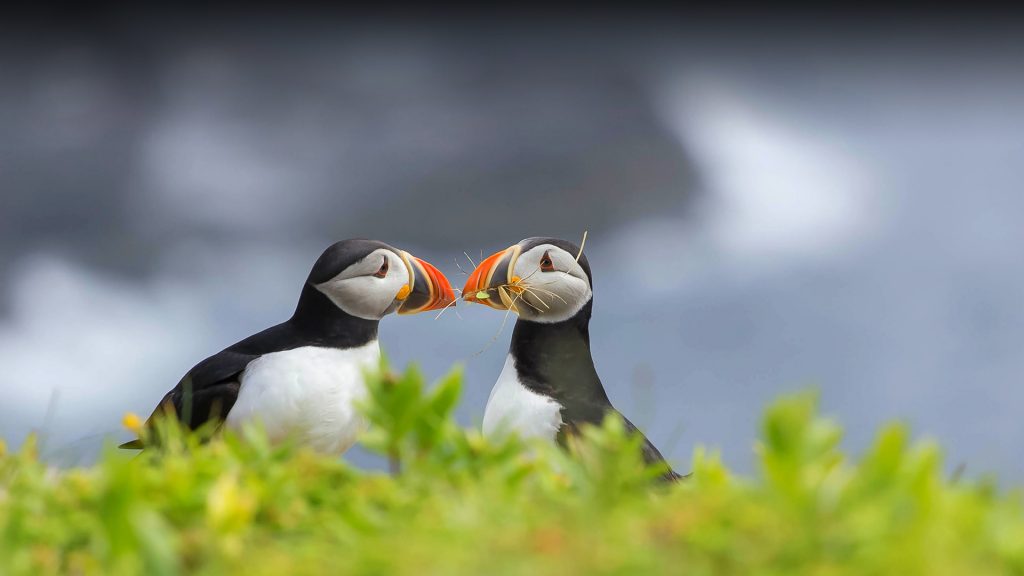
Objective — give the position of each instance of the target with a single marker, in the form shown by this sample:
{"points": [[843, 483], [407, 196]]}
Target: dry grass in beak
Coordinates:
{"points": [[504, 319], [516, 291], [451, 305], [582, 244]]}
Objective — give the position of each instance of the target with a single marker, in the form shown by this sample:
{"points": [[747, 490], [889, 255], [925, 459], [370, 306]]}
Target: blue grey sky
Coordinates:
{"points": [[768, 211]]}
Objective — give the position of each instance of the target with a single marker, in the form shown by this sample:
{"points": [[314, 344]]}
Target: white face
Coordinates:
{"points": [[369, 288], [553, 286]]}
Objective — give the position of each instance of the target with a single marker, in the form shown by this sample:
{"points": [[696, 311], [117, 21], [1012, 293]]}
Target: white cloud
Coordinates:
{"points": [[781, 185], [775, 189], [81, 343], [81, 347]]}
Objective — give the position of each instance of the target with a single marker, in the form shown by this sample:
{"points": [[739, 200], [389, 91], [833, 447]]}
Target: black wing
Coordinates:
{"points": [[209, 390], [652, 455], [594, 414]]}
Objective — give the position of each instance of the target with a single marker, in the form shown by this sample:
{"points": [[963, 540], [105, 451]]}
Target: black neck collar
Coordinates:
{"points": [[554, 359], [319, 320]]}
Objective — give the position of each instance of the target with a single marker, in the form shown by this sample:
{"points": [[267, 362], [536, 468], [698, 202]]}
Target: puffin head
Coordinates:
{"points": [[541, 279], [370, 279]]}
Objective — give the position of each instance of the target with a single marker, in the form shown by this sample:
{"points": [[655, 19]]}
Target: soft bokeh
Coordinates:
{"points": [[770, 205]]}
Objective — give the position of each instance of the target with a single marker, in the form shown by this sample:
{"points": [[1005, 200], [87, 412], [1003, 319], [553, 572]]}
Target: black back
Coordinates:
{"points": [[210, 388]]}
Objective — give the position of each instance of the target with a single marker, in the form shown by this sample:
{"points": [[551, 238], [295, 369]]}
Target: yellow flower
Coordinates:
{"points": [[132, 422], [228, 506]]}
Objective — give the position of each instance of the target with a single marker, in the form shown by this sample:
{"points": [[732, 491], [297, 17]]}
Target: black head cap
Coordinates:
{"points": [[341, 255], [529, 243]]}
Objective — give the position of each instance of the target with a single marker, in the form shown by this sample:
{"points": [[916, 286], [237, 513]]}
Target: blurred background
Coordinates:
{"points": [[773, 203]]}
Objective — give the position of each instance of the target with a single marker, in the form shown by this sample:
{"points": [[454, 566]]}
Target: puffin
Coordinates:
{"points": [[549, 386], [302, 378]]}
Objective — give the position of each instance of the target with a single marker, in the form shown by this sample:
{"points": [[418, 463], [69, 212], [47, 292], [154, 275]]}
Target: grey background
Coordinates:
{"points": [[773, 204]]}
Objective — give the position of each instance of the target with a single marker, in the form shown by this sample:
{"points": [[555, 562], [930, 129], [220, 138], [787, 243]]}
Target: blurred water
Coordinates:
{"points": [[767, 211]]}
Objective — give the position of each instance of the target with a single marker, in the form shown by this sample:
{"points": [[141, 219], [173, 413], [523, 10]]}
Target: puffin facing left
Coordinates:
{"points": [[301, 378]]}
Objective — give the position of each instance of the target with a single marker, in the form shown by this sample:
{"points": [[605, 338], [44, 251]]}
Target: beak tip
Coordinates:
{"points": [[479, 280], [431, 291]]}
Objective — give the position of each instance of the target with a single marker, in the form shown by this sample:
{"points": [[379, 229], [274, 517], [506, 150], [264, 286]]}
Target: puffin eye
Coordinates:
{"points": [[546, 265], [383, 271]]}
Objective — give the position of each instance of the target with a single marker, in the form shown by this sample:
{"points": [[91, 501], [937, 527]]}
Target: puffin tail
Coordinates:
{"points": [[673, 476]]}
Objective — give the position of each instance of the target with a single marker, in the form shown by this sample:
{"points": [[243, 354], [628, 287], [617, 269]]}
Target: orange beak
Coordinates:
{"points": [[484, 285], [428, 287]]}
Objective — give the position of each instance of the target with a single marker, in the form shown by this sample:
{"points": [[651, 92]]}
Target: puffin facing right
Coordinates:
{"points": [[303, 377], [549, 385]]}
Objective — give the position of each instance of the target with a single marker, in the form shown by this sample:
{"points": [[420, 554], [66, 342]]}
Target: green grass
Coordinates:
{"points": [[462, 505]]}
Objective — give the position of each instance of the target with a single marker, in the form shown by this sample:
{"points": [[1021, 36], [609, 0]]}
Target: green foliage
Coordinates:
{"points": [[465, 505]]}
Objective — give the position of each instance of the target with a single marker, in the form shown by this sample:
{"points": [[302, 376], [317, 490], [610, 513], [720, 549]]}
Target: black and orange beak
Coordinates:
{"points": [[487, 284], [428, 289]]}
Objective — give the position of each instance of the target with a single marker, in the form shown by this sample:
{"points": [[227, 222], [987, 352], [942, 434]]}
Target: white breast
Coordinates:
{"points": [[513, 407], [307, 393]]}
